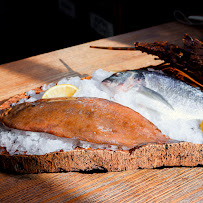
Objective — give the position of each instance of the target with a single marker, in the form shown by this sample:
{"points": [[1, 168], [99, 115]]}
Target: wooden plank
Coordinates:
{"points": [[142, 185]]}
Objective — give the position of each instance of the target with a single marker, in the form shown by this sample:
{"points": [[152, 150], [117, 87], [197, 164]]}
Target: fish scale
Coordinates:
{"points": [[182, 99]]}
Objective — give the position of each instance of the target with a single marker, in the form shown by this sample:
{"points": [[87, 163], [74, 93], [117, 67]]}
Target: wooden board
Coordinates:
{"points": [[142, 185]]}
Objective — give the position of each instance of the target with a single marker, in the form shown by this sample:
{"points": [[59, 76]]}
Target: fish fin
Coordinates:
{"points": [[153, 95]]}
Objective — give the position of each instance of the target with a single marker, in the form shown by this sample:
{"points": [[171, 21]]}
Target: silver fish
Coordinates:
{"points": [[182, 99]]}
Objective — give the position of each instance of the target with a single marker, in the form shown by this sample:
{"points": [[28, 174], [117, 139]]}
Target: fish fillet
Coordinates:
{"points": [[89, 119]]}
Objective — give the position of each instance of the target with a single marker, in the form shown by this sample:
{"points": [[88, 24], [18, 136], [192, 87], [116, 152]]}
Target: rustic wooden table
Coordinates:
{"points": [[180, 184]]}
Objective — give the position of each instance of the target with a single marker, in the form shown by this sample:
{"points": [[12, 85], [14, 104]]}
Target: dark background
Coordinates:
{"points": [[32, 27]]}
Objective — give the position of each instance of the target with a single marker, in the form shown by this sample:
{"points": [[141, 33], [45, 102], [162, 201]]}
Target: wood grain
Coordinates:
{"points": [[141, 185]]}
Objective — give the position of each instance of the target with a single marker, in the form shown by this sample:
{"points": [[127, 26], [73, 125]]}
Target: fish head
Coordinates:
{"points": [[122, 81]]}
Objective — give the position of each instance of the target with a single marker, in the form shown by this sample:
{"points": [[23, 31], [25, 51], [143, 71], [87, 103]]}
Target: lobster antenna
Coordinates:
{"points": [[114, 48]]}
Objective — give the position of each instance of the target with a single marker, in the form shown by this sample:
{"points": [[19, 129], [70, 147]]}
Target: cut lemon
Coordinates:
{"points": [[201, 126], [64, 90]]}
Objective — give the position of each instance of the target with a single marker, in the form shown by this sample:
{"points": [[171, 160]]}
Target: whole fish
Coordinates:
{"points": [[94, 120], [180, 99]]}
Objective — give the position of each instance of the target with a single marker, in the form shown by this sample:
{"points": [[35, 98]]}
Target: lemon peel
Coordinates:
{"points": [[62, 90], [201, 126]]}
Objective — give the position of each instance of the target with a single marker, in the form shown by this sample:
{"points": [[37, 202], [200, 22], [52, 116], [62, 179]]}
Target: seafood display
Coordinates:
{"points": [[145, 118]]}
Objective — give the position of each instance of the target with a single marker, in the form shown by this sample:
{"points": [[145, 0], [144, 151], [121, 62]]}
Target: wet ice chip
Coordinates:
{"points": [[45, 87], [72, 81], [30, 93], [99, 75]]}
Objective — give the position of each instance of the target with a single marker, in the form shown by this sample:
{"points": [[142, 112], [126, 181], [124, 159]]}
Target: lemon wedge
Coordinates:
{"points": [[201, 126], [64, 90]]}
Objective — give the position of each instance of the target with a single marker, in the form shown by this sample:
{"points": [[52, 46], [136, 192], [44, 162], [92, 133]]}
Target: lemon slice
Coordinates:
{"points": [[64, 90], [201, 126]]}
